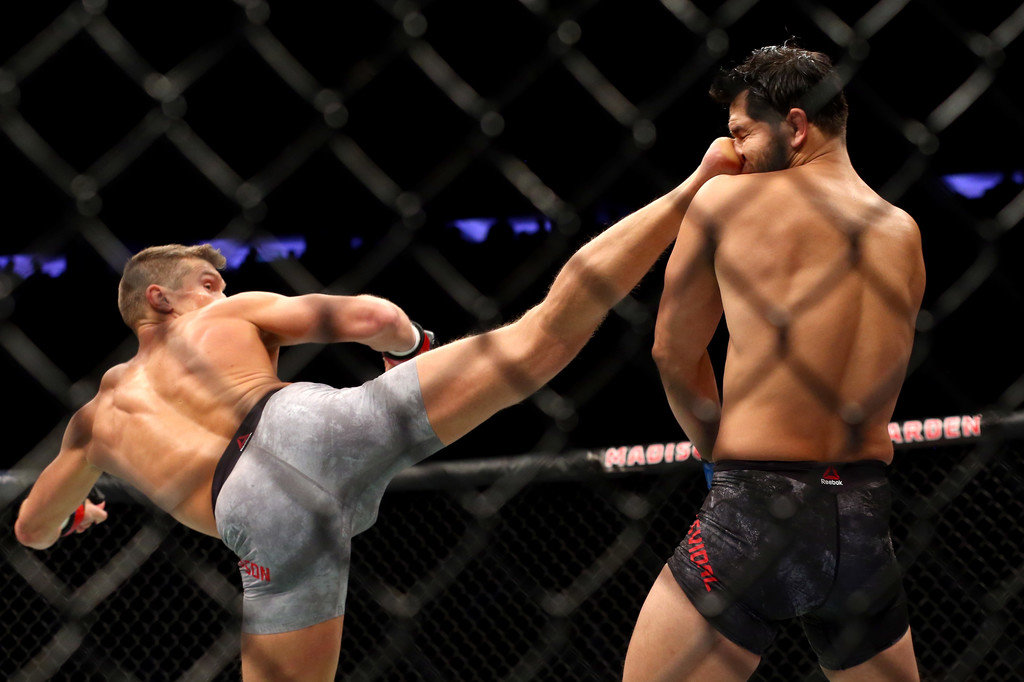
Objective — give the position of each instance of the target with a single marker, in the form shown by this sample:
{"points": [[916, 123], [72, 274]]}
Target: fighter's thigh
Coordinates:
{"points": [[672, 641], [307, 654], [896, 663], [465, 382]]}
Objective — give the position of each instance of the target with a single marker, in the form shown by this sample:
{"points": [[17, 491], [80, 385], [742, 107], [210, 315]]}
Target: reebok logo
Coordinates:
{"points": [[243, 441], [831, 477]]}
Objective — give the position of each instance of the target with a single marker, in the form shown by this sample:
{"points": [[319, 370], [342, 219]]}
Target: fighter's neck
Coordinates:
{"points": [[153, 333], [830, 151]]}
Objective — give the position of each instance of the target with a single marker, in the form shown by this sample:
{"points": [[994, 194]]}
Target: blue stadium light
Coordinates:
{"points": [[1018, 177], [267, 249], [25, 265], [474, 229], [234, 251], [279, 248], [529, 224], [53, 266], [477, 230], [972, 185]]}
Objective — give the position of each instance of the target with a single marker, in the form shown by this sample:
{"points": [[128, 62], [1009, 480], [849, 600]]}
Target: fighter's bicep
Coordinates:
{"points": [[691, 302], [289, 319], [66, 481]]}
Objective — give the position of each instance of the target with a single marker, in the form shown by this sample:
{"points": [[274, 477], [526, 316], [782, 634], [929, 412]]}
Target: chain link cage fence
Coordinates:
{"points": [[368, 146]]}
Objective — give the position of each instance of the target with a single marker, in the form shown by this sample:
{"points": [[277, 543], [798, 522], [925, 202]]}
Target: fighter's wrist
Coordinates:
{"points": [[417, 347], [417, 331], [73, 521]]}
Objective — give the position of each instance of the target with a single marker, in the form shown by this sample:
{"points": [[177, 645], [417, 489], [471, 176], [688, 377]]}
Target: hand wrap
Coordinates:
{"points": [[425, 341]]}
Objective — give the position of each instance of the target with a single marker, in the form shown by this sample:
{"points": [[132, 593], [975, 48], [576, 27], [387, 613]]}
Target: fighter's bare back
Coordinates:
{"points": [[161, 420], [820, 282]]}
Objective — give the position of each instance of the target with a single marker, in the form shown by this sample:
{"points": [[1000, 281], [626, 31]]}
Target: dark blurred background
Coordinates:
{"points": [[246, 110], [449, 155]]}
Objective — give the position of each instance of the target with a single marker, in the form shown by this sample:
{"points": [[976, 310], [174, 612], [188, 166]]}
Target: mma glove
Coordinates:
{"points": [[424, 342], [74, 521]]}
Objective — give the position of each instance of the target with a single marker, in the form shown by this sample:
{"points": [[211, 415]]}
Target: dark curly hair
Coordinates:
{"points": [[778, 78]]}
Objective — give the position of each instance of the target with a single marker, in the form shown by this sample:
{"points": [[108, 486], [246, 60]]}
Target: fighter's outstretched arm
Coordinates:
{"points": [[465, 382], [60, 489], [321, 318]]}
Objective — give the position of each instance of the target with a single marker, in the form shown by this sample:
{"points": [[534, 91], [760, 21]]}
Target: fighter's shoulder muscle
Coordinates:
{"points": [[722, 188], [241, 304], [906, 227], [722, 197], [907, 233], [252, 309], [247, 307], [112, 377], [79, 432]]}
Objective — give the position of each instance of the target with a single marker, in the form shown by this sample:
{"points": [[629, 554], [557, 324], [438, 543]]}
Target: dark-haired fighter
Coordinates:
{"points": [[820, 281], [286, 473]]}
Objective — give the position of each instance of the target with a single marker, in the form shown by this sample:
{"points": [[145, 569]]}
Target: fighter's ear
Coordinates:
{"points": [[157, 299], [797, 122]]}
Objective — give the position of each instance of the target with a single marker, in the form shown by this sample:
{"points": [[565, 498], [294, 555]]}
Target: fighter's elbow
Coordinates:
{"points": [[663, 352], [372, 318], [385, 316], [675, 363], [30, 536]]}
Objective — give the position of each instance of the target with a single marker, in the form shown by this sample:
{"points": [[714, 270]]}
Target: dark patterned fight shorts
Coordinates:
{"points": [[808, 540]]}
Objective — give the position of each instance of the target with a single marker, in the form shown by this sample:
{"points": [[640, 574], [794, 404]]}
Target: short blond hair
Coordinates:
{"points": [[164, 265]]}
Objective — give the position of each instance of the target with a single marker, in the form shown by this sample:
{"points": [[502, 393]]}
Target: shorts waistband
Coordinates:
{"points": [[798, 466], [837, 476], [237, 444]]}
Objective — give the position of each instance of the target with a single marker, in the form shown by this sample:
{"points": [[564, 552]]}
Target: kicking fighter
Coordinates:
{"points": [[820, 281], [286, 473]]}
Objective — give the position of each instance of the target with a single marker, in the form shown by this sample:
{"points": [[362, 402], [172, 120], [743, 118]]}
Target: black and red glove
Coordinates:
{"points": [[425, 341], [74, 521]]}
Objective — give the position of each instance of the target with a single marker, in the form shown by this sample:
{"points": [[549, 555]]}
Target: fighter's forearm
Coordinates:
{"points": [[371, 321], [42, 531], [692, 393], [601, 273]]}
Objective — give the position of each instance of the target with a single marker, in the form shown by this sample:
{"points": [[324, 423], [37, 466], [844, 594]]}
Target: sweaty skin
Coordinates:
{"points": [[162, 420], [820, 281]]}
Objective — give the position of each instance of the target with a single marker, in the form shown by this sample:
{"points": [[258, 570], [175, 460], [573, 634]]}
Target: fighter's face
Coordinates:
{"points": [[761, 144], [200, 286]]}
